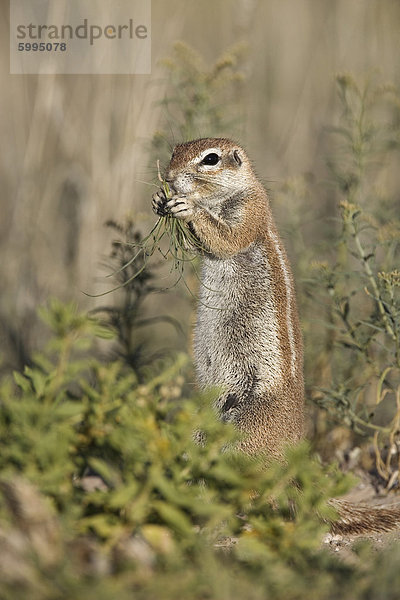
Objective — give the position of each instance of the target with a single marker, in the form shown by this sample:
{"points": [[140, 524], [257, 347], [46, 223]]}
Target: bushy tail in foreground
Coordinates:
{"points": [[363, 518]]}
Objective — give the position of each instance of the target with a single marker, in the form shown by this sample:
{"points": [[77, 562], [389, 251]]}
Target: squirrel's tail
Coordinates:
{"points": [[362, 518]]}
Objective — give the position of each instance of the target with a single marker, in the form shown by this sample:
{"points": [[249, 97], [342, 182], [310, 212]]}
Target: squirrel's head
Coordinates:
{"points": [[210, 168]]}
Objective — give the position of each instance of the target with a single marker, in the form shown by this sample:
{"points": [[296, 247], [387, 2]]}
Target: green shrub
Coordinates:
{"points": [[349, 280], [99, 469], [362, 283], [202, 100]]}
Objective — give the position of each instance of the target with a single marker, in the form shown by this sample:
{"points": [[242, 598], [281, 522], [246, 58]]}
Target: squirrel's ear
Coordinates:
{"points": [[236, 157]]}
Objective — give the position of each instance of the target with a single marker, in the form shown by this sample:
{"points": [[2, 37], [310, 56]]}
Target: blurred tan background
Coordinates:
{"points": [[75, 149]]}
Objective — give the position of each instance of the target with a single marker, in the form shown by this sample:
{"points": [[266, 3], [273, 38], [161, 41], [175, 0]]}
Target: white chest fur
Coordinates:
{"points": [[237, 343]]}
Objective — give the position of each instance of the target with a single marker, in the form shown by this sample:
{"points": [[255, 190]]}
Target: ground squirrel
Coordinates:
{"points": [[247, 337]]}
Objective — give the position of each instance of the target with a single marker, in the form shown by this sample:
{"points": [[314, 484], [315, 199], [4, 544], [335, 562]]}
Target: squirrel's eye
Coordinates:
{"points": [[210, 159]]}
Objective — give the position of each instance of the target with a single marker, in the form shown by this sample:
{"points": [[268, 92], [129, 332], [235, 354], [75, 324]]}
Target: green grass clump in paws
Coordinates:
{"points": [[182, 246]]}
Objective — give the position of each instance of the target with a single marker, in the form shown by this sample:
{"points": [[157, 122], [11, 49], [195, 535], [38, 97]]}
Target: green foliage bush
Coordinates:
{"points": [[91, 457], [110, 486], [201, 100], [348, 278], [359, 283]]}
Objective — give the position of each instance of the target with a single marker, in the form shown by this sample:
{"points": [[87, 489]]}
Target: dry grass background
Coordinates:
{"points": [[75, 148]]}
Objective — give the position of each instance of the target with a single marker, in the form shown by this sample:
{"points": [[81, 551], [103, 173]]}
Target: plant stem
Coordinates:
{"points": [[373, 283]]}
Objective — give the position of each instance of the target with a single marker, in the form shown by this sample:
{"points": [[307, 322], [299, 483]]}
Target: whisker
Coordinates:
{"points": [[146, 182]]}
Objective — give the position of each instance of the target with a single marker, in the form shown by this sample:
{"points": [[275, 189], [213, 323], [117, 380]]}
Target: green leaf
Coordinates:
{"points": [[104, 470], [123, 495], [22, 382], [174, 517], [68, 409]]}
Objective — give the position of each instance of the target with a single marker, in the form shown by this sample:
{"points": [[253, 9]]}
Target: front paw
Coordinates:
{"points": [[159, 203], [181, 208]]}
